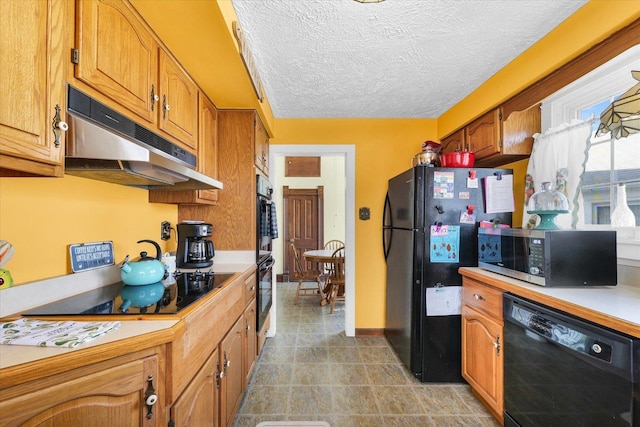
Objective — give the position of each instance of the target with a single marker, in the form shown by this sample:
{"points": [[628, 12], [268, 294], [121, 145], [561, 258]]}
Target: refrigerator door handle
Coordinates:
{"points": [[386, 244]]}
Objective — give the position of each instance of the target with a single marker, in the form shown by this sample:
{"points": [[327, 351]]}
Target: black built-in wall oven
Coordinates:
{"points": [[265, 232]]}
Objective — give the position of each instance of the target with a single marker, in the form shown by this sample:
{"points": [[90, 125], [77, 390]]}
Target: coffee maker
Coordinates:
{"points": [[194, 250]]}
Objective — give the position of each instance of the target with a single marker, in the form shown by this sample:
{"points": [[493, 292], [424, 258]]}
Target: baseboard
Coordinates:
{"points": [[369, 332]]}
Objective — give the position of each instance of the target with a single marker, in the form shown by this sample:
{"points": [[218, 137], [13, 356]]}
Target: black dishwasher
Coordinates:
{"points": [[560, 370]]}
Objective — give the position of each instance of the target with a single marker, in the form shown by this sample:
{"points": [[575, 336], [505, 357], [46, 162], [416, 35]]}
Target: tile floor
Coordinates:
{"points": [[310, 371]]}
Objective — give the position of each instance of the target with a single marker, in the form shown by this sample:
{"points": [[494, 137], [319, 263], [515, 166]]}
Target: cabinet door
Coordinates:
{"points": [[261, 146], [178, 103], [454, 142], [483, 135], [118, 55], [207, 160], [250, 345], [33, 64], [518, 129], [208, 146], [199, 404], [482, 363], [111, 397], [232, 383]]}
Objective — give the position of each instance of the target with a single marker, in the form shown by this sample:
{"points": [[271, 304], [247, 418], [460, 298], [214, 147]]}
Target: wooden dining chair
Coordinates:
{"points": [[334, 244], [336, 278], [301, 274], [326, 268]]}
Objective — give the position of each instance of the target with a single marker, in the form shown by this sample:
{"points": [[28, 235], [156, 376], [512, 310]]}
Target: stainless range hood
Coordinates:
{"points": [[106, 146]]}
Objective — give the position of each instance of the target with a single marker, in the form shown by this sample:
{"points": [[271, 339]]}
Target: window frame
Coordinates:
{"points": [[602, 83]]}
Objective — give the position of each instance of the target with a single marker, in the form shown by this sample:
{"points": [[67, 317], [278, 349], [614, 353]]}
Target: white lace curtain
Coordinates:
{"points": [[559, 156]]}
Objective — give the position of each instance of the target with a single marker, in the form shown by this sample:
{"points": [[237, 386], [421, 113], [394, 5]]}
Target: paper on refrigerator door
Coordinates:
{"points": [[444, 300]]}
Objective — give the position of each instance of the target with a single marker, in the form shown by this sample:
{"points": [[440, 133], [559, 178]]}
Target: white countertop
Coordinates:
{"points": [[11, 355], [619, 302]]}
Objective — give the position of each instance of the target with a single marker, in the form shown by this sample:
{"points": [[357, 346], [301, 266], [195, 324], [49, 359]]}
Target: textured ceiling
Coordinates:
{"points": [[394, 59]]}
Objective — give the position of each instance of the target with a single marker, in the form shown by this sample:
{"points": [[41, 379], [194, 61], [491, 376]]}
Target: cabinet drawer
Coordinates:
{"points": [[249, 289], [482, 297]]}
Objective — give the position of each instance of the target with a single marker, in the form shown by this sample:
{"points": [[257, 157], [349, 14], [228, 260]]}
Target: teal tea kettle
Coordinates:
{"points": [[145, 270]]}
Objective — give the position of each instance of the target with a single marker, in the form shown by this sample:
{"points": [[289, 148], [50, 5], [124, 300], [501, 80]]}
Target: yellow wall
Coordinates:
{"points": [[383, 149], [40, 217]]}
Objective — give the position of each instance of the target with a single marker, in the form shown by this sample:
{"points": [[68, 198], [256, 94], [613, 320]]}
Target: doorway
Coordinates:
{"points": [[346, 152]]}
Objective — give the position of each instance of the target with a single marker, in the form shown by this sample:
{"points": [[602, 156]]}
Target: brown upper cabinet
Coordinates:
{"points": [[235, 214], [483, 136], [454, 142], [34, 45], [207, 159], [119, 57], [261, 150], [497, 140], [178, 102]]}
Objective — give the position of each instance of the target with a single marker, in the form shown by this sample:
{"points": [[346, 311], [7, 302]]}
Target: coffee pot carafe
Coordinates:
{"points": [[194, 250]]}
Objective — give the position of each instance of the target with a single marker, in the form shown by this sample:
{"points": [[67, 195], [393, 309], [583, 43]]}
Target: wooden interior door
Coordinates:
{"points": [[303, 222]]}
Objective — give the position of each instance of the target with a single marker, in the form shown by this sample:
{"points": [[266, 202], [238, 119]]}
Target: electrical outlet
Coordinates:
{"points": [[165, 230]]}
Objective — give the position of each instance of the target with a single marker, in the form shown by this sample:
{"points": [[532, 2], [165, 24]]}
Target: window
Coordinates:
{"points": [[610, 161]]}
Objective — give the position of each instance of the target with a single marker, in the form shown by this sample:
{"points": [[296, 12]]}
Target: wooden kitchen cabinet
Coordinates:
{"points": [[235, 214], [207, 159], [250, 339], [199, 404], [206, 351], [232, 382], [118, 56], [261, 141], [497, 137], [178, 102], [250, 344], [213, 396], [454, 142], [483, 136], [110, 393], [482, 332], [34, 45]]}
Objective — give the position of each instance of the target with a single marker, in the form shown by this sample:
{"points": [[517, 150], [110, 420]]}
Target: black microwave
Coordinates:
{"points": [[553, 258]]}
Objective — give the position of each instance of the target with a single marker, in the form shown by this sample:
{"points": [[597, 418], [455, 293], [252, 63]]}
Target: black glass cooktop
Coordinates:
{"points": [[188, 288]]}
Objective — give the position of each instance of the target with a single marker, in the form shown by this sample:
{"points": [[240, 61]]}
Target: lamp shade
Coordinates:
{"points": [[622, 117]]}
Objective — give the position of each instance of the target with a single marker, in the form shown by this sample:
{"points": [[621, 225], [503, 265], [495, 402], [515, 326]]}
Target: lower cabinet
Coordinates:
{"points": [[250, 350], [195, 378], [482, 331], [110, 393], [198, 405], [231, 381]]}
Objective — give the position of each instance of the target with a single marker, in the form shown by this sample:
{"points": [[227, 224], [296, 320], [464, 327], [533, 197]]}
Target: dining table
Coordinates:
{"points": [[324, 258], [321, 256]]}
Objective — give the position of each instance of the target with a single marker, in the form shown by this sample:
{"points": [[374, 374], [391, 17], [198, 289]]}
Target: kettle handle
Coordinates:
{"points": [[158, 250]]}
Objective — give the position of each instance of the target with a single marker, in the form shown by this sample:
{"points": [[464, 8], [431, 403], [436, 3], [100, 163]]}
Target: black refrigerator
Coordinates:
{"points": [[431, 217]]}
